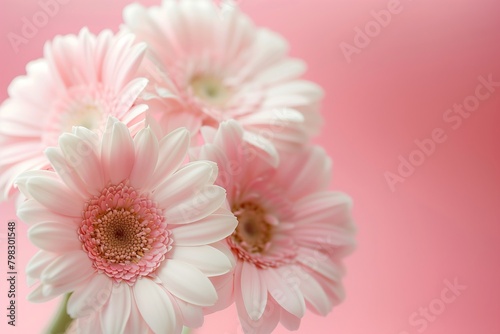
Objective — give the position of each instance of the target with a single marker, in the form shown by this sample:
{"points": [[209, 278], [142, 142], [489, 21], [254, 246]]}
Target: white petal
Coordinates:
{"points": [[307, 89], [90, 297], [209, 260], [66, 172], [155, 306], [223, 247], [136, 323], [54, 237], [55, 196], [37, 295], [285, 70], [121, 155], [71, 267], [187, 283], [184, 183], [38, 263], [10, 177], [32, 212], [225, 292], [254, 291], [172, 152], [81, 157], [205, 231], [204, 202], [115, 313], [192, 316], [88, 325], [146, 156]]}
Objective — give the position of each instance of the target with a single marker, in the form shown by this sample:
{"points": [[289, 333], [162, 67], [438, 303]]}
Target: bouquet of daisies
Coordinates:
{"points": [[166, 172]]}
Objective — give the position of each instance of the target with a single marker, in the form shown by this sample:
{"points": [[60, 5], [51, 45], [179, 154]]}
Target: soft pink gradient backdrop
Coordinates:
{"points": [[441, 223]]}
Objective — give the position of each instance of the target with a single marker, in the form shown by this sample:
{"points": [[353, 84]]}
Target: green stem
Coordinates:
{"points": [[62, 320], [186, 330]]}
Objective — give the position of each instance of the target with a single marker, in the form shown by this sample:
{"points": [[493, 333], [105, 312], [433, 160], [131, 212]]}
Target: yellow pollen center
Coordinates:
{"points": [[86, 115], [210, 90]]}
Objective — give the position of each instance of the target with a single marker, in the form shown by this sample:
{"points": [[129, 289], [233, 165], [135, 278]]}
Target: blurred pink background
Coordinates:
{"points": [[394, 87]]}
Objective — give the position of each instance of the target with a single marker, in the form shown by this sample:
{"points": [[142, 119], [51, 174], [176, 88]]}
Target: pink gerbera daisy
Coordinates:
{"points": [[126, 229], [217, 66], [291, 236], [79, 82]]}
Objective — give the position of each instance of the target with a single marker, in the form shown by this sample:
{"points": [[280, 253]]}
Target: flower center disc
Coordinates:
{"points": [[124, 233], [86, 114], [84, 106], [256, 239], [210, 90], [253, 232]]}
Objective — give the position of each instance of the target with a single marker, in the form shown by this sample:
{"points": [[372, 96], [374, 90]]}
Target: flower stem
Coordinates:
{"points": [[186, 330], [62, 320]]}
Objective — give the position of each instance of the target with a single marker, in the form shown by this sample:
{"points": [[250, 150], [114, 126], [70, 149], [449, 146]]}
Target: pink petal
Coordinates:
{"points": [[285, 294], [314, 293], [254, 291], [267, 323], [300, 167], [289, 321], [128, 96], [322, 264]]}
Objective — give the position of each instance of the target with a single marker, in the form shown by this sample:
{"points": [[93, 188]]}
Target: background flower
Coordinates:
{"points": [[292, 232], [219, 66], [79, 82]]}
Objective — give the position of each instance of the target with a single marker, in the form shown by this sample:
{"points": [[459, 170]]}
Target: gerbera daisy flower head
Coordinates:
{"points": [[131, 230], [292, 232], [217, 66], [79, 82]]}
